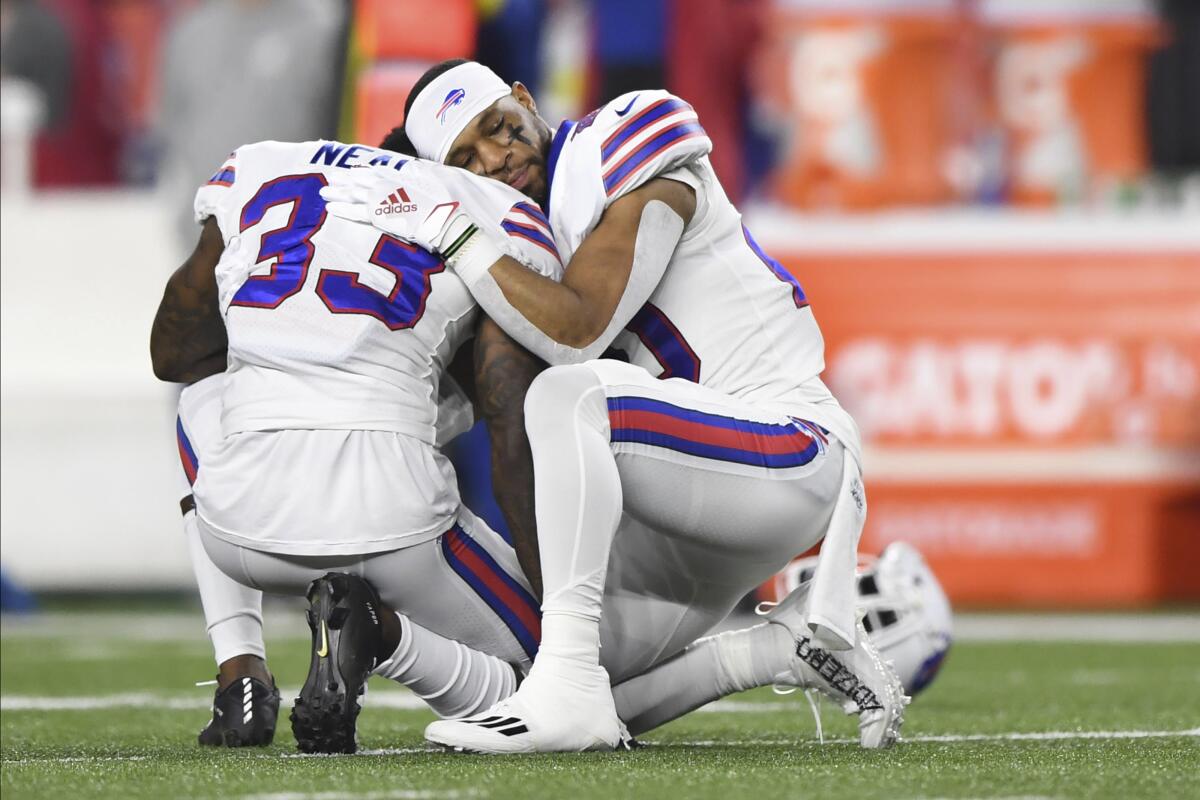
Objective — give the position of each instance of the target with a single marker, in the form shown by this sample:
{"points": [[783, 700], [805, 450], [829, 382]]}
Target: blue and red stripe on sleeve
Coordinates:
{"points": [[187, 454], [620, 173], [526, 221], [639, 122], [224, 176]]}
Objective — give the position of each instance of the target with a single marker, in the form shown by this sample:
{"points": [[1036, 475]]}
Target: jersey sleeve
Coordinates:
{"points": [[643, 135], [215, 198], [528, 231]]}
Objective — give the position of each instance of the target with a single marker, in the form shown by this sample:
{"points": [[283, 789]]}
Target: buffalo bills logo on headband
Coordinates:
{"points": [[454, 98]]}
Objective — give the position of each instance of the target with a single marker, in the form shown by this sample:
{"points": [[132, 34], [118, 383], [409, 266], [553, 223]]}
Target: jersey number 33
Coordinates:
{"points": [[291, 250]]}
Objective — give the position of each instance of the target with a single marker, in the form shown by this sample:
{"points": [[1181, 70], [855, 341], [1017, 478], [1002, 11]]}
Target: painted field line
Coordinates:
{"points": [[17, 762], [371, 752], [376, 751], [1081, 627], [1006, 797], [395, 700], [283, 623], [390, 794], [1016, 736]]}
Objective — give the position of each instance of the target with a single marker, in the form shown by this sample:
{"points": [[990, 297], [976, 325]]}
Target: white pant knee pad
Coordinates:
{"points": [[561, 398]]}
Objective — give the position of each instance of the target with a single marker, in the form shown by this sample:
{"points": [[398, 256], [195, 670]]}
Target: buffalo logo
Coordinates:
{"points": [[455, 97], [398, 202]]}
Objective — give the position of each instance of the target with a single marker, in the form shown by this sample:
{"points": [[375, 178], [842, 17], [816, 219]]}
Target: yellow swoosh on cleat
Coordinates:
{"points": [[324, 651]]}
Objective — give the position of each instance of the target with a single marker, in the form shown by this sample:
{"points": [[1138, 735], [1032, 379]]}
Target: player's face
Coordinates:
{"points": [[508, 142]]}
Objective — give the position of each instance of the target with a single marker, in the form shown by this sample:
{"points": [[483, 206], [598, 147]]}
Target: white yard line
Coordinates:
{"points": [[1006, 797], [396, 700], [1035, 627], [391, 794], [1016, 736], [95, 636], [950, 738]]}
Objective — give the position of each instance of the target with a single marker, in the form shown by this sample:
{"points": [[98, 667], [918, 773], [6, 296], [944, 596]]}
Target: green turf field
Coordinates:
{"points": [[103, 705]]}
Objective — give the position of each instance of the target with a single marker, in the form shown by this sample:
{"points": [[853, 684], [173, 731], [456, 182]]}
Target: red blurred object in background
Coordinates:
{"points": [[1068, 91], [866, 94], [83, 149], [1029, 397]]}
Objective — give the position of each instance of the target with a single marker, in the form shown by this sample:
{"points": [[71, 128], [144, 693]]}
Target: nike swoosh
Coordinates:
{"points": [[324, 651], [625, 110]]}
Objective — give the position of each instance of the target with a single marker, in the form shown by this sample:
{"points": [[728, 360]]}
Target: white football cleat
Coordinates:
{"points": [[561, 707], [857, 679]]}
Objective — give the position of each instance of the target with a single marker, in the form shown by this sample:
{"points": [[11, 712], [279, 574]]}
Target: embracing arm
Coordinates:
{"points": [[187, 340], [581, 309], [503, 372]]}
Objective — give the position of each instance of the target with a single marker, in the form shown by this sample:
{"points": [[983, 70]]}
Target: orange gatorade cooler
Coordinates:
{"points": [[1068, 93], [865, 90]]}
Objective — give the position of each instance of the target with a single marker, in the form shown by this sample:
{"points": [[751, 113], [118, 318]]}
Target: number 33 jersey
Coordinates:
{"points": [[724, 314], [333, 326]]}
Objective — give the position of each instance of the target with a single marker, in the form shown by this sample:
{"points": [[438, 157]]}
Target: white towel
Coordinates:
{"points": [[831, 609]]}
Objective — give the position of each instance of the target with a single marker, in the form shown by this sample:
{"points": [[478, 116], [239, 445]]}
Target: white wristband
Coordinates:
{"points": [[474, 257]]}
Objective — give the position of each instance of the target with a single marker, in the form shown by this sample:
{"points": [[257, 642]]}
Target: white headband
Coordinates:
{"points": [[447, 104]]}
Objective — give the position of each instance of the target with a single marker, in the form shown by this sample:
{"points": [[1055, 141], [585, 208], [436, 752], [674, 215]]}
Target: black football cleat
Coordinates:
{"points": [[343, 614], [244, 715]]}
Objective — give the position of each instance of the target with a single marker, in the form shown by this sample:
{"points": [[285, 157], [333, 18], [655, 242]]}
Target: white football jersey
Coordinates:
{"points": [[725, 314], [333, 325]]}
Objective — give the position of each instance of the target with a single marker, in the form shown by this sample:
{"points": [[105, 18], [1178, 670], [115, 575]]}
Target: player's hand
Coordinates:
{"points": [[410, 204]]}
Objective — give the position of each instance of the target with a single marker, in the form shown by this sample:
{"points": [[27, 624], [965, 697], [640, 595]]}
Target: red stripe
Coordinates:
{"points": [[632, 120], [792, 442], [511, 599], [652, 154], [188, 468], [541, 223], [539, 243]]}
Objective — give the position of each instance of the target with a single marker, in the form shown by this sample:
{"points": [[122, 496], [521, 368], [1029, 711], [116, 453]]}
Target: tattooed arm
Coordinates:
{"points": [[503, 372], [188, 341]]}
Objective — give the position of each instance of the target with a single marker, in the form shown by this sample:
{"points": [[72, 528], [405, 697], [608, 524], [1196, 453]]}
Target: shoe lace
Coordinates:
{"points": [[813, 696]]}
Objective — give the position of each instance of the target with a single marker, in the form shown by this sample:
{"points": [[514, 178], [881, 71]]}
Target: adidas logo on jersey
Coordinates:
{"points": [[398, 202]]}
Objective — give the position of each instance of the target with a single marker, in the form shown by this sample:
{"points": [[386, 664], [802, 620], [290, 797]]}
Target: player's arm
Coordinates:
{"points": [[188, 340], [503, 372], [579, 311], [610, 276]]}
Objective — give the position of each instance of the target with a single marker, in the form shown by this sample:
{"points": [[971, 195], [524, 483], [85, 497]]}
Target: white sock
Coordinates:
{"points": [[232, 612], [455, 680], [578, 494], [709, 669]]}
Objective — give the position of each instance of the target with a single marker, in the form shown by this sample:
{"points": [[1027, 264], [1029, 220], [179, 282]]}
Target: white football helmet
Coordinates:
{"points": [[904, 609]]}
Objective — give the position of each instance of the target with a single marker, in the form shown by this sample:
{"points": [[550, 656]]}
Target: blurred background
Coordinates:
{"points": [[994, 206]]}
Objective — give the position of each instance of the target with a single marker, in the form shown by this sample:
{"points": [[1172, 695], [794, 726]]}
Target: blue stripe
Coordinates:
{"points": [[669, 107], [224, 176], [556, 146], [667, 344], [534, 212], [524, 636], [691, 415], [648, 150], [187, 445], [530, 231], [736, 456], [798, 296]]}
